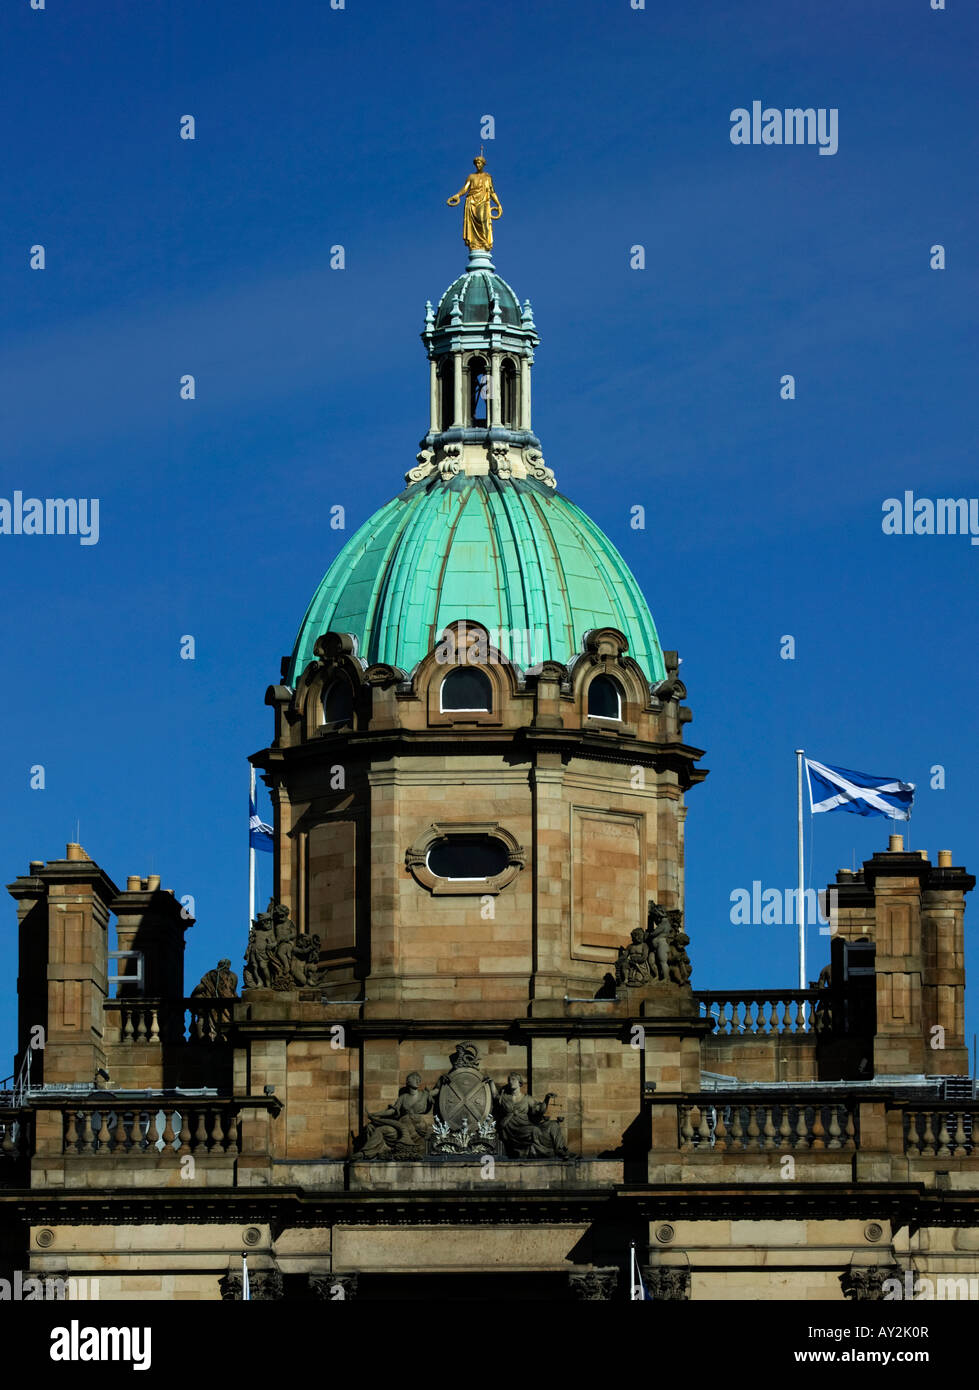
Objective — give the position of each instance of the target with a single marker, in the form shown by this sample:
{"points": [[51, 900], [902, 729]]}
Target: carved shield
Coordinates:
{"points": [[464, 1095]]}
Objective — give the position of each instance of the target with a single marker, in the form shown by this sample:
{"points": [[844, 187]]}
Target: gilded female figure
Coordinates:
{"points": [[478, 215]]}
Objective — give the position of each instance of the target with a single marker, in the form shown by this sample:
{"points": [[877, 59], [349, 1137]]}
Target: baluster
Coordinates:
{"points": [[86, 1132], [818, 1130], [153, 1130], [703, 1129], [769, 1127], [850, 1130], [103, 1134], [127, 1030], [686, 1128], [928, 1138], [720, 1130], [737, 1132], [71, 1133], [834, 1128], [184, 1131], [231, 1131], [217, 1133], [135, 1135], [119, 1133], [154, 1026], [803, 1137], [784, 1129], [751, 1015], [730, 1018], [754, 1133], [774, 1022], [912, 1143], [959, 1134], [943, 1137], [168, 1134], [140, 1025], [694, 1125], [200, 1133]]}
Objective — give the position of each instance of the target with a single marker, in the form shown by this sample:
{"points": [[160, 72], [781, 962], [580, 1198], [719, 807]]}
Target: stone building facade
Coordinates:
{"points": [[465, 1056]]}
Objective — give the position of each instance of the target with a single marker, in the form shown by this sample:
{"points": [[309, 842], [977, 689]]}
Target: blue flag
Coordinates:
{"points": [[259, 834], [838, 789]]}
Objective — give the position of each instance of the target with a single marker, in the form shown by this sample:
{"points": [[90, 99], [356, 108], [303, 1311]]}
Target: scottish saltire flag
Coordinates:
{"points": [[259, 834], [637, 1291], [838, 789]]}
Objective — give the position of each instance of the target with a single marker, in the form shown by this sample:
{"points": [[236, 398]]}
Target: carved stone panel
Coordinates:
{"points": [[608, 876]]}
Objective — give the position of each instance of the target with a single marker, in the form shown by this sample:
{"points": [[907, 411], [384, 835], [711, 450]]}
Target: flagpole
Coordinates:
{"points": [[251, 849], [800, 911]]}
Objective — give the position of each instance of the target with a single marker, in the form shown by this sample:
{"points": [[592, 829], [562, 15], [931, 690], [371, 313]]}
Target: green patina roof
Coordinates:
{"points": [[502, 553], [476, 289]]}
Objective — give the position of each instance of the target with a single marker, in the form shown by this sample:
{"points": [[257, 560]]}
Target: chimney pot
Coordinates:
{"points": [[132, 883], [153, 883], [895, 844], [73, 851], [944, 858]]}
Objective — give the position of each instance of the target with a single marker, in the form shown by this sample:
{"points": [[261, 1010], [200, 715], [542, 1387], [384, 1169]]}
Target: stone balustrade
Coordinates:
{"points": [[129, 1128], [14, 1137], [940, 1131], [732, 1122], [760, 1011], [139, 1020]]}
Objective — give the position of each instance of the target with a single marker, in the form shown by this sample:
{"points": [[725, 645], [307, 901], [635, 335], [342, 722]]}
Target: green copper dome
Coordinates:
{"points": [[475, 292], [507, 554]]}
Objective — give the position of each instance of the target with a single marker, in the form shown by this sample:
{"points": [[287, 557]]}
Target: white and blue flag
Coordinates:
{"points": [[638, 1292], [259, 834], [838, 789]]}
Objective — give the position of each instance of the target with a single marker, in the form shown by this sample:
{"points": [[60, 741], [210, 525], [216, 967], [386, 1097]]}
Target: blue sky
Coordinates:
{"points": [[659, 387]]}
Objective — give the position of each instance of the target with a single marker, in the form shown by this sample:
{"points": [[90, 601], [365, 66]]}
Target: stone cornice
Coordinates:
{"points": [[904, 1205], [382, 744], [516, 1031]]}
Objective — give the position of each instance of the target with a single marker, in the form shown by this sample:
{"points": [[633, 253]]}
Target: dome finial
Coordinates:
{"points": [[478, 215]]}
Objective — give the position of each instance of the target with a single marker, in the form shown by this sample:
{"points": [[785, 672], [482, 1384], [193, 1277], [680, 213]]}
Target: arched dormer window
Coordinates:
{"points": [[447, 393], [466, 688], [478, 390], [338, 704], [605, 698], [508, 394]]}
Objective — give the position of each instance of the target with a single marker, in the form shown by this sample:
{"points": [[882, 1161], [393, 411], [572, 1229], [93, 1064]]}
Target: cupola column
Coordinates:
{"points": [[524, 375], [457, 382], [493, 402], [433, 396]]}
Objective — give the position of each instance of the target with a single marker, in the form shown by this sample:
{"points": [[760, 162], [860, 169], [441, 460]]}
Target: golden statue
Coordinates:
{"points": [[478, 215]]}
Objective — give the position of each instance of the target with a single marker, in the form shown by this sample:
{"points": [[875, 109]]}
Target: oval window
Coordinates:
{"points": [[605, 698], [467, 688], [467, 857]]}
